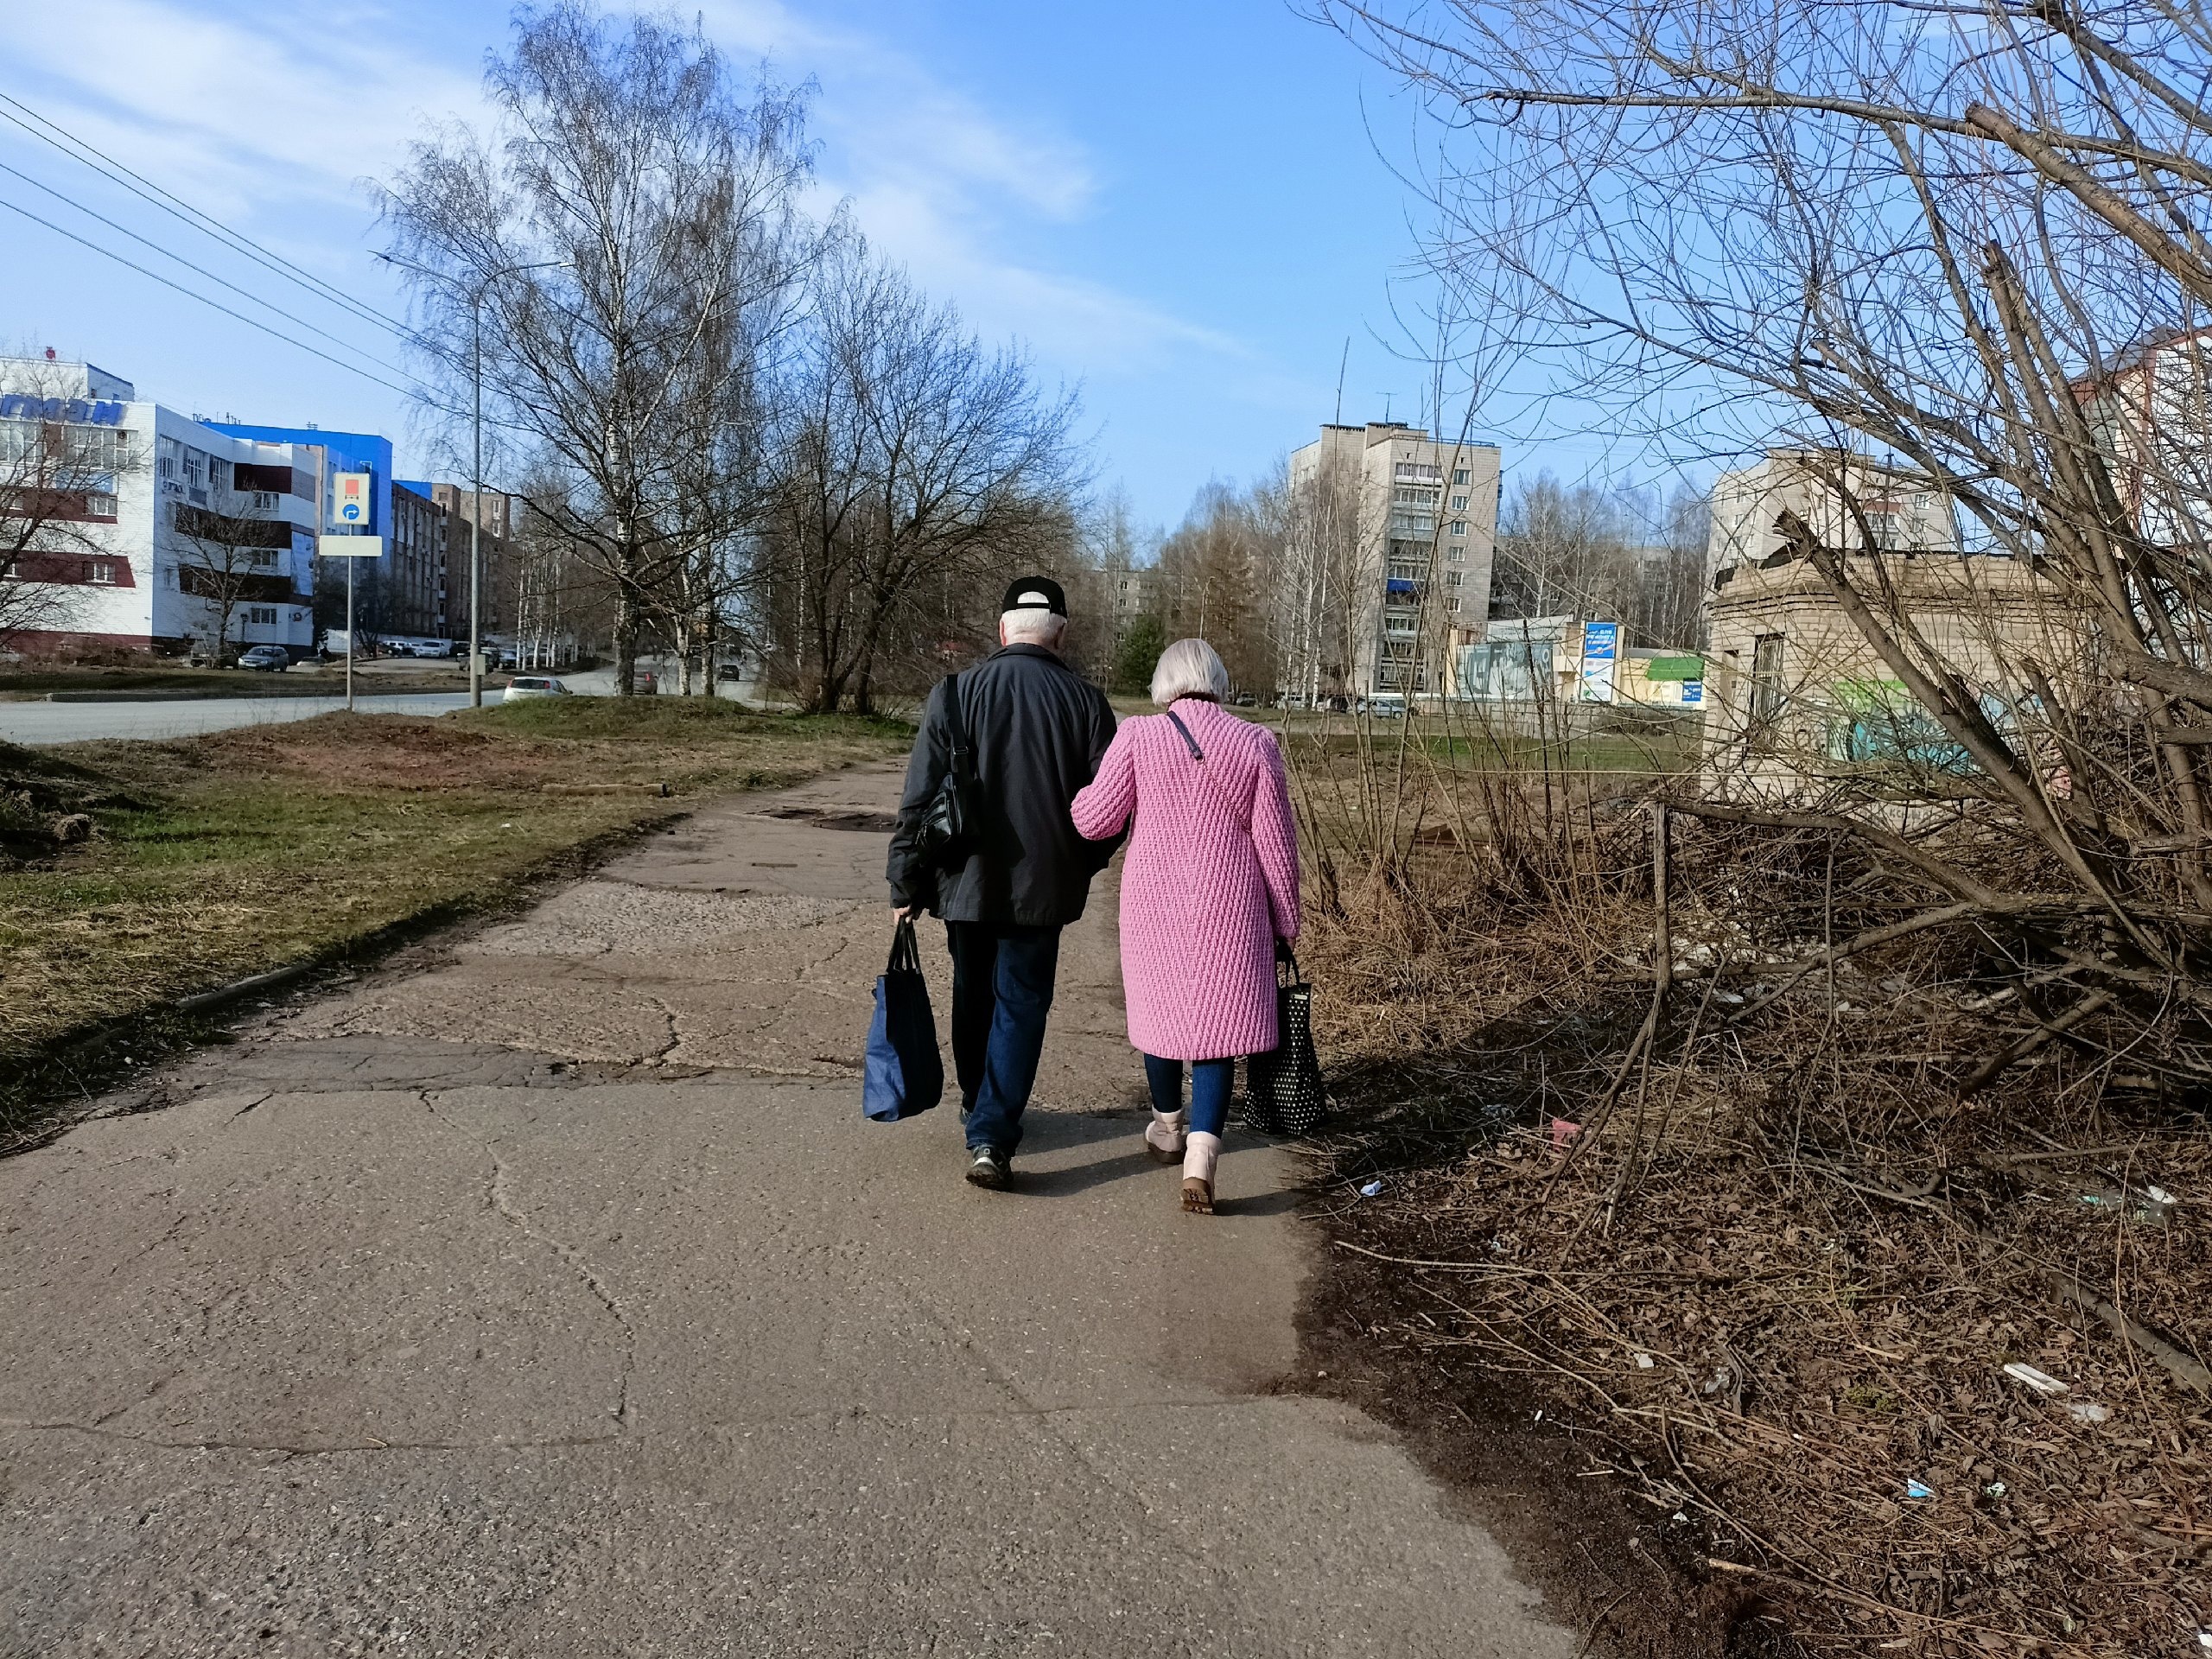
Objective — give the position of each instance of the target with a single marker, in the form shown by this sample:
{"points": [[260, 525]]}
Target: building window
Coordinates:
{"points": [[1458, 503], [261, 616], [1455, 554], [1769, 697], [1454, 605], [264, 500], [261, 557], [1453, 578], [1459, 526], [1459, 475], [100, 570]]}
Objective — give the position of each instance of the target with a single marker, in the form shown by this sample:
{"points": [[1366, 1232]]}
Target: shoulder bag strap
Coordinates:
{"points": [[1199, 756], [961, 760]]}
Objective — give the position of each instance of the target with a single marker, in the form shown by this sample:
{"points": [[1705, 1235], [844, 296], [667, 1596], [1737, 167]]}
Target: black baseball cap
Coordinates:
{"points": [[1036, 594]]}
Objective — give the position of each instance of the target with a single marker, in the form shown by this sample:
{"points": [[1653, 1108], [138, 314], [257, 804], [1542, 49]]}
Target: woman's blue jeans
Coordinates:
{"points": [[1210, 1083]]}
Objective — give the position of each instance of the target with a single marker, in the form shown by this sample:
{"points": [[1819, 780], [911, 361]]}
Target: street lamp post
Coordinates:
{"points": [[476, 423]]}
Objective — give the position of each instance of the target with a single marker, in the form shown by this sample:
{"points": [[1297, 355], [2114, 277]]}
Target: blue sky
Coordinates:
{"points": [[1179, 206]]}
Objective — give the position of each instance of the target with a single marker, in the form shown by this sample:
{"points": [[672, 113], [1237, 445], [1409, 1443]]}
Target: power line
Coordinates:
{"points": [[251, 322], [201, 270], [87, 154]]}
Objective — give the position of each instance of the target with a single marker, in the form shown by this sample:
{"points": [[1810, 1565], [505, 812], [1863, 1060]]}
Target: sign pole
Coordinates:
{"points": [[476, 506], [349, 636]]}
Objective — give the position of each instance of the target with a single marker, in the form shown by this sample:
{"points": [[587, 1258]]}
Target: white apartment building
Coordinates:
{"points": [[1397, 536], [2152, 413], [153, 517], [1903, 509]]}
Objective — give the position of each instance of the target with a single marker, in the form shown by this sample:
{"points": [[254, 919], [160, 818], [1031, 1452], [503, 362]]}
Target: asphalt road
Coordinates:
{"points": [[546, 1294], [77, 722]]}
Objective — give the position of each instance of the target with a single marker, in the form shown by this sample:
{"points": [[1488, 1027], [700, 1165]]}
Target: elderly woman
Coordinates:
{"points": [[1210, 884]]}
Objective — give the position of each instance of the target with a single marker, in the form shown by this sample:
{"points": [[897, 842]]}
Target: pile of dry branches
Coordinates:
{"points": [[1685, 1145]]}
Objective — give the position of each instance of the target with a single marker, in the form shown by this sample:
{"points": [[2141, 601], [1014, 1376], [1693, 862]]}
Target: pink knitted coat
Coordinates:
{"points": [[1210, 883]]}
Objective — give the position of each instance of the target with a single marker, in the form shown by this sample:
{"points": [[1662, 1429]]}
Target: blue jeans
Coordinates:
{"points": [[1001, 992], [1210, 1082]]}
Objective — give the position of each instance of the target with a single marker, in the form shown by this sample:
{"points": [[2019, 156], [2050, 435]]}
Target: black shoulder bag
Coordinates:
{"points": [[950, 823]]}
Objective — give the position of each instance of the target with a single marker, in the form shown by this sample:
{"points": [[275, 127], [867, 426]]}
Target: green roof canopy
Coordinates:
{"points": [[1675, 668]]}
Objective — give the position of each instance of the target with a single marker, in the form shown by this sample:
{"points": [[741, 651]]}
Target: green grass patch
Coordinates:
{"points": [[219, 856]]}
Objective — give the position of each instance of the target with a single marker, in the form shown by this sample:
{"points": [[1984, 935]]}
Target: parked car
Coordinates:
{"points": [[266, 659], [1387, 705], [524, 687]]}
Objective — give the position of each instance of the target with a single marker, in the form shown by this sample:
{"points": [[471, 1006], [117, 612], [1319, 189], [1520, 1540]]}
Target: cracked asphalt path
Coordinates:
{"points": [[546, 1294]]}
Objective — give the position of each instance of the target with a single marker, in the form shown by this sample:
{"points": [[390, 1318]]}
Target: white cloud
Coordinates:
{"points": [[269, 116], [234, 112]]}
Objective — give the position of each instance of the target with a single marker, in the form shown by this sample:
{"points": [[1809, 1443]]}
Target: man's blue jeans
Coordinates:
{"points": [[1001, 992]]}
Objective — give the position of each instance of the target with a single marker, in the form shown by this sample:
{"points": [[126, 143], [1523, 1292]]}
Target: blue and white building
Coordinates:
{"points": [[161, 510]]}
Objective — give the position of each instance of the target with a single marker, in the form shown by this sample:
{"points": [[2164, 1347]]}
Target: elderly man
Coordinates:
{"points": [[1034, 729]]}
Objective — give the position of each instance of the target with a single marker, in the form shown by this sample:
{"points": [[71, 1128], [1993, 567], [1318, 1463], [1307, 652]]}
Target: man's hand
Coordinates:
{"points": [[905, 913]]}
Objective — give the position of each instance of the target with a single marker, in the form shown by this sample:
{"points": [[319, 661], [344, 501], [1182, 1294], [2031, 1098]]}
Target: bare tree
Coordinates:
{"points": [[914, 462], [619, 257], [226, 560], [53, 490], [1325, 560], [1564, 548], [1935, 232], [1210, 584]]}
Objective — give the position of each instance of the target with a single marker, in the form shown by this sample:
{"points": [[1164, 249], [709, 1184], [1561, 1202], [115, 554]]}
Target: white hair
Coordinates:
{"points": [[1031, 626], [1189, 668]]}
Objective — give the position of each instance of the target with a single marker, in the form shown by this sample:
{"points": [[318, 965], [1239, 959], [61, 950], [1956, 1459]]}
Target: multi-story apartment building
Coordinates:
{"points": [[2152, 413], [497, 554], [1130, 588], [173, 528], [412, 586], [1903, 509], [1394, 541]]}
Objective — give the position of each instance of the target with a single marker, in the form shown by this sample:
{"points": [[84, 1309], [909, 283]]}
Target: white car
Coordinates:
{"points": [[524, 687]]}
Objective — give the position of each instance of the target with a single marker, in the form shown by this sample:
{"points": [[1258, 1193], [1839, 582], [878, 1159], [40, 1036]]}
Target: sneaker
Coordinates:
{"points": [[990, 1170]]}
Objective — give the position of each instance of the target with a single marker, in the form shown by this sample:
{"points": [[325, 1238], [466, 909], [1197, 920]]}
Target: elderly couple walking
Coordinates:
{"points": [[1209, 890]]}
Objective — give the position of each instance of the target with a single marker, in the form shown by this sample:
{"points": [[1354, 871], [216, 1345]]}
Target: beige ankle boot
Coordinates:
{"points": [[1198, 1158], [1163, 1136]]}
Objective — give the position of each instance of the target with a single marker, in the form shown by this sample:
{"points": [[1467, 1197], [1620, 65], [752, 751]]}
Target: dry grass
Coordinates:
{"points": [[220, 856], [1781, 1280]]}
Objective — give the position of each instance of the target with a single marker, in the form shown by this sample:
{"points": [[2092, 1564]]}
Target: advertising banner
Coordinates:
{"points": [[1601, 645]]}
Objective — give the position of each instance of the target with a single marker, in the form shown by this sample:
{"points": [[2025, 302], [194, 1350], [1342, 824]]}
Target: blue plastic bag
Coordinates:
{"points": [[904, 1074]]}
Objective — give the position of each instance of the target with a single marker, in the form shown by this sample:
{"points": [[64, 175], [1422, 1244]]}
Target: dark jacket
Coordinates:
{"points": [[1037, 730]]}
